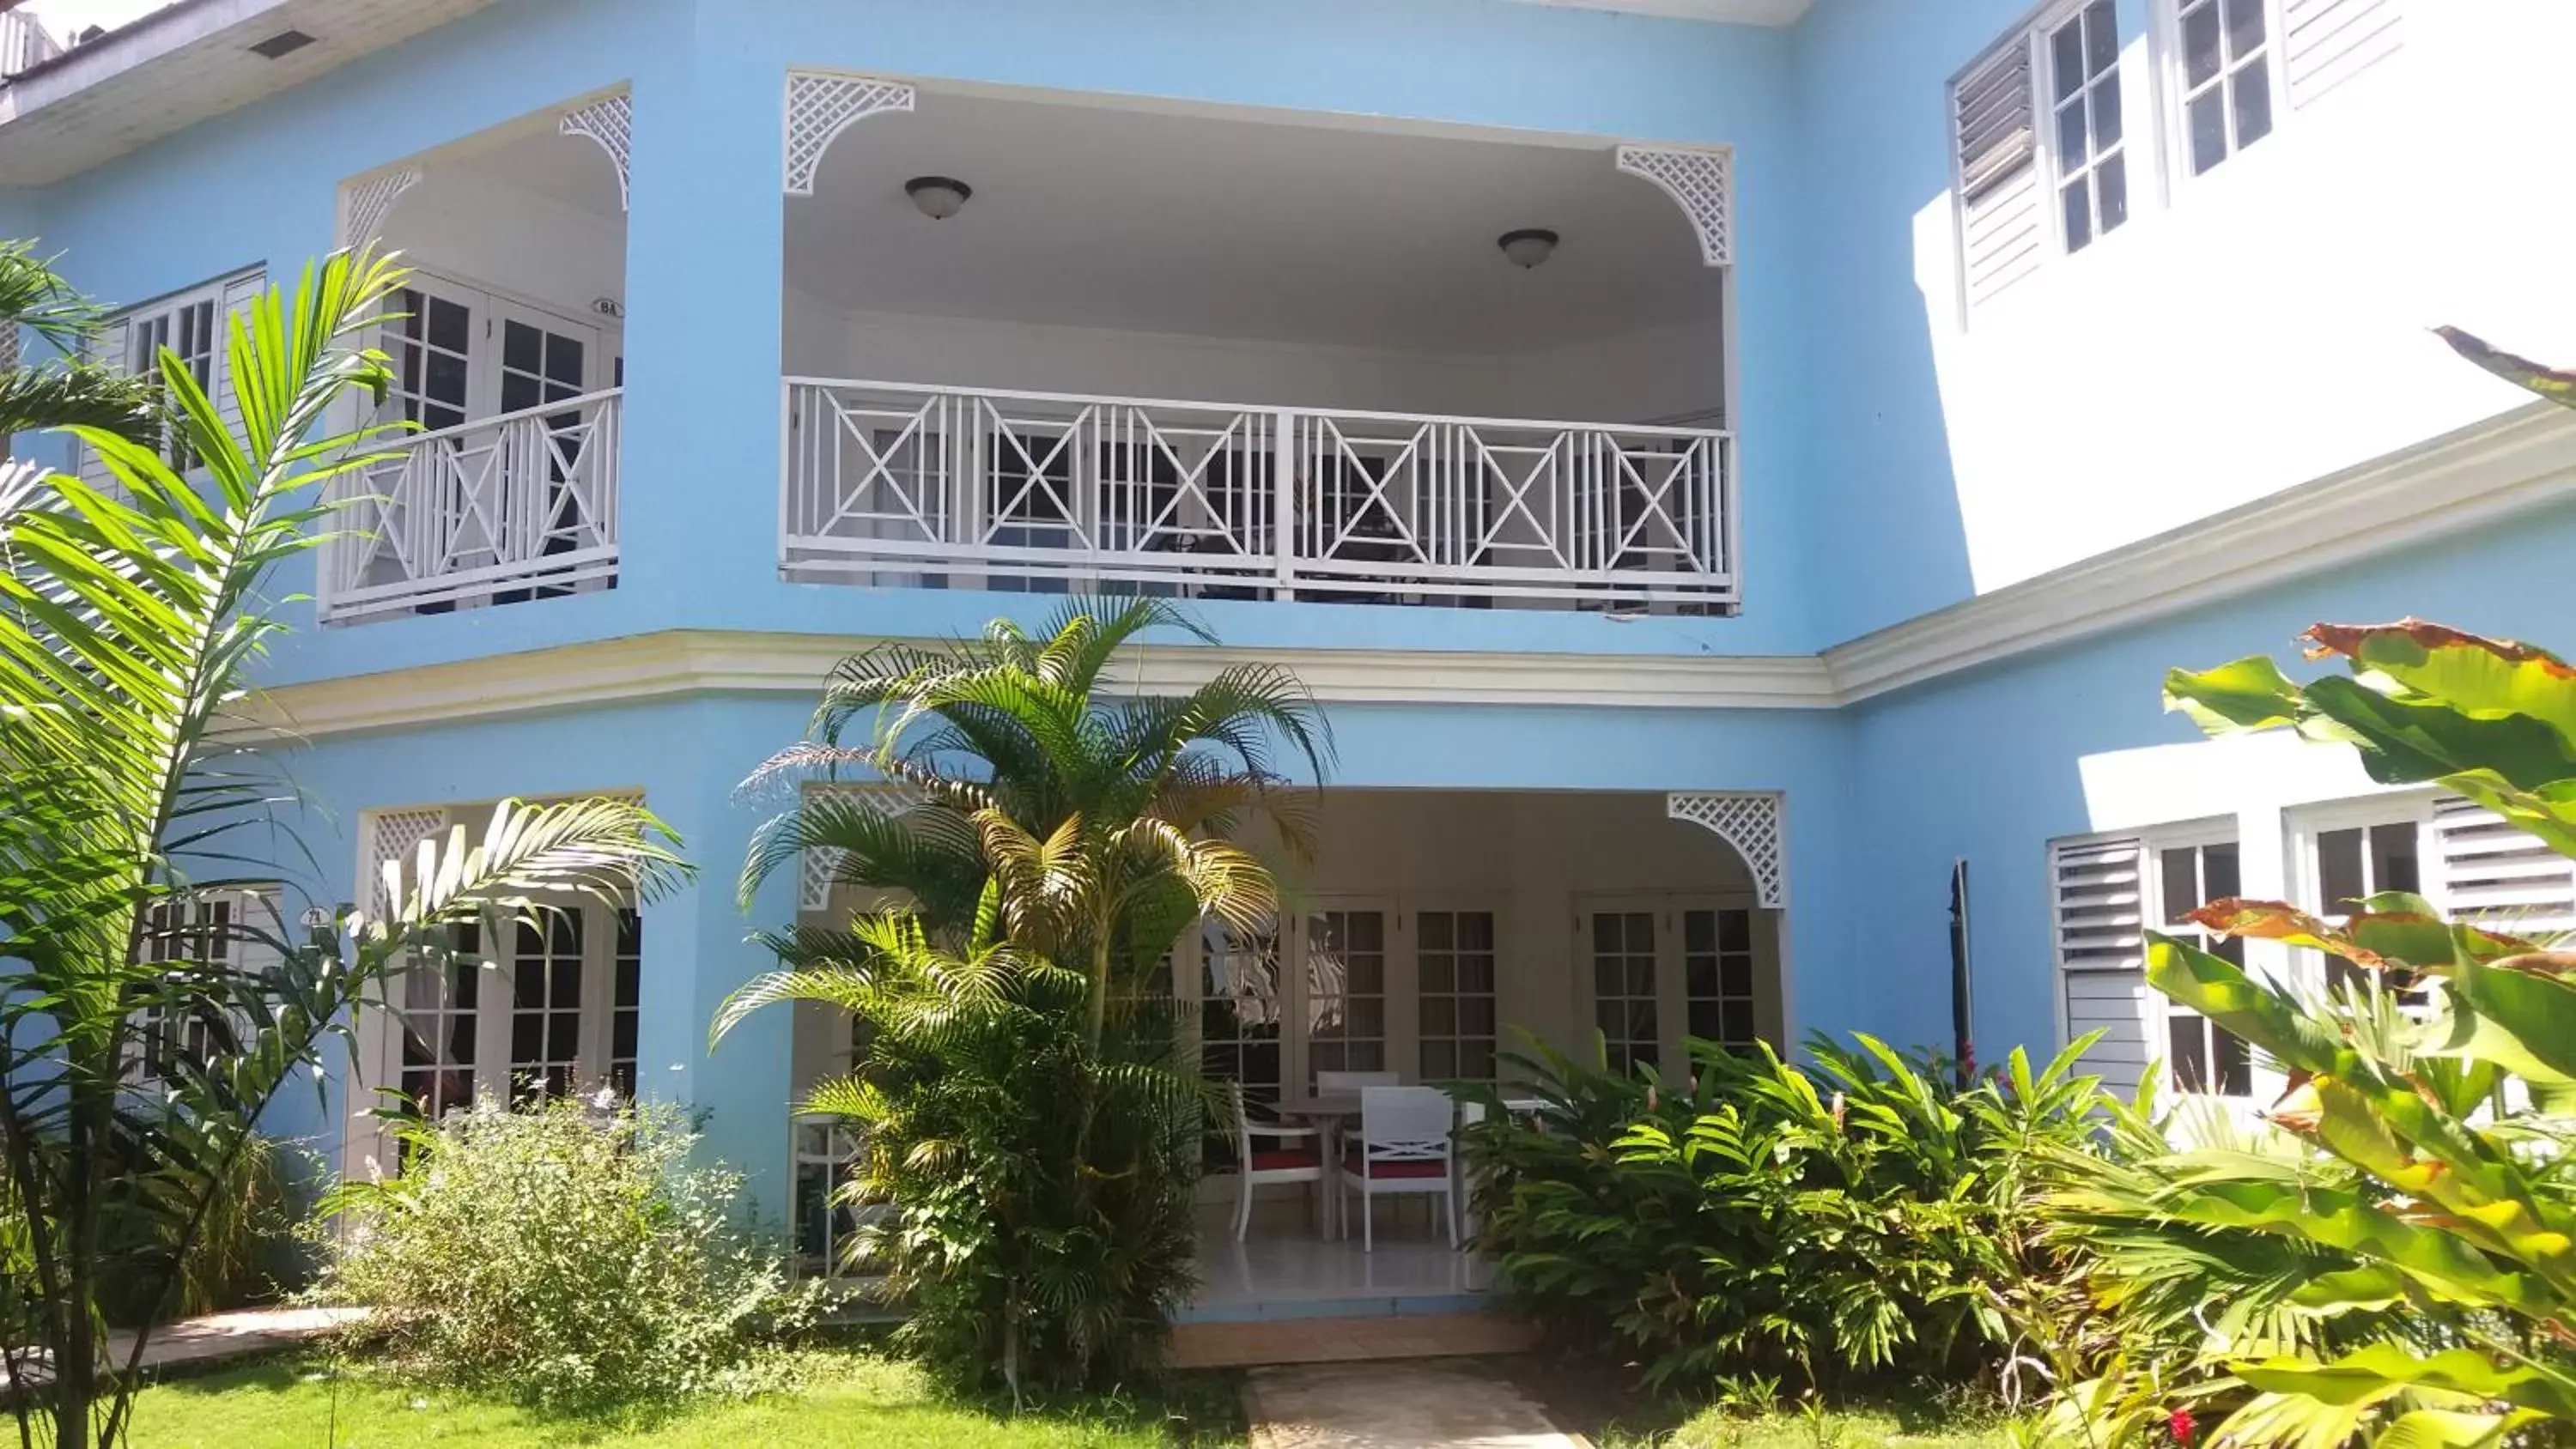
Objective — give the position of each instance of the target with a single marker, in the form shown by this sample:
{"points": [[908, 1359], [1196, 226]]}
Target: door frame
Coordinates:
{"points": [[1672, 993]]}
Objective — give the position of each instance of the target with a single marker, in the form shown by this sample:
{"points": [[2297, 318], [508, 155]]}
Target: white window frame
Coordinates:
{"points": [[118, 347], [2152, 842], [2307, 825], [2197, 836], [2174, 93], [2051, 161]]}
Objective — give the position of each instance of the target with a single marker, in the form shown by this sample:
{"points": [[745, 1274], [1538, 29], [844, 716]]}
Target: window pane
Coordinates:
{"points": [[2207, 120], [2101, 36], [2072, 152], [1438, 930], [2111, 183], [2079, 216], [1735, 930], [2253, 104], [2200, 43], [2244, 28], [2066, 60], [2339, 881], [2106, 112], [2392, 859], [2189, 1040], [2235, 1064], [2219, 873], [2180, 869]]}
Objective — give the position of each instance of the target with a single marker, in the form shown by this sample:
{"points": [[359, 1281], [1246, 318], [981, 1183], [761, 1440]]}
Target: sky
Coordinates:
{"points": [[64, 17]]}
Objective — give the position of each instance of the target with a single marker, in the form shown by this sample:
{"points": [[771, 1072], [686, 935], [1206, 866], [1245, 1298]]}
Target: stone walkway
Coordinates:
{"points": [[1424, 1404], [218, 1337]]}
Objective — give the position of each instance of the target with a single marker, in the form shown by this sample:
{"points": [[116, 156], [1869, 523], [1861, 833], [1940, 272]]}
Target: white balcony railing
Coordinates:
{"points": [[903, 485], [506, 509]]}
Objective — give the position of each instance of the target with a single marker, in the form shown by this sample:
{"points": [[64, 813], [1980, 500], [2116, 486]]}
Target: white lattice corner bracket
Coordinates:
{"points": [[396, 835], [610, 121], [364, 205], [820, 106], [1700, 180], [818, 867], [1750, 823]]}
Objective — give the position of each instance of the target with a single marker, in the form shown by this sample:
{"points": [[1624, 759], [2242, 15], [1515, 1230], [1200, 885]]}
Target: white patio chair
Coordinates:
{"points": [[1403, 1146], [1302, 1163], [1353, 1081]]}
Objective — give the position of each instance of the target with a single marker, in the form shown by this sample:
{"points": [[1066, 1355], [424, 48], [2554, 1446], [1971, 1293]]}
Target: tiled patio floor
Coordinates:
{"points": [[1286, 1272]]}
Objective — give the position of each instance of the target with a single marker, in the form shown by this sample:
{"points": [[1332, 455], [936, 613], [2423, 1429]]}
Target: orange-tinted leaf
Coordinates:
{"points": [[2281, 921], [2349, 640]]}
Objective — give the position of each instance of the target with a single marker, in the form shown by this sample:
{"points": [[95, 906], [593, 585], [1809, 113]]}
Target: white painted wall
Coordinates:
{"points": [[464, 224], [2265, 324]]}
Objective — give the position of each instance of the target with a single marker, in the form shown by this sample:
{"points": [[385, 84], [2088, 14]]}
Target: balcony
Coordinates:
{"points": [[899, 485], [497, 511]]}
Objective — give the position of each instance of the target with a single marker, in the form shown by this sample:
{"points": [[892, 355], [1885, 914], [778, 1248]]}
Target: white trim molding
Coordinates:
{"points": [[1701, 181], [2508, 464], [823, 104], [610, 121], [679, 662], [1754, 824]]}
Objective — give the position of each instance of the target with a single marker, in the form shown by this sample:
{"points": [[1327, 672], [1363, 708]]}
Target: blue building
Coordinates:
{"points": [[1721, 463]]}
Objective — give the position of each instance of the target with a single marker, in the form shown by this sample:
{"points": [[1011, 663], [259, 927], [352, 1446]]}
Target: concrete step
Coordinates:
{"points": [[1347, 1340]]}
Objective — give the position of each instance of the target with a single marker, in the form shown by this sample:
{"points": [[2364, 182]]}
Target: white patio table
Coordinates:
{"points": [[1329, 1110]]}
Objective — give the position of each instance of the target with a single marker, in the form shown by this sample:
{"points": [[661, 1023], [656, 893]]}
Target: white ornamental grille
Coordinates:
{"points": [[820, 866], [1750, 823], [1698, 180], [820, 107], [396, 834], [370, 201], [610, 121]]}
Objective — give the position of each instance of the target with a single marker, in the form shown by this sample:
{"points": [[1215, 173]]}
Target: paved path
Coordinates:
{"points": [[221, 1336], [1424, 1404], [1346, 1340]]}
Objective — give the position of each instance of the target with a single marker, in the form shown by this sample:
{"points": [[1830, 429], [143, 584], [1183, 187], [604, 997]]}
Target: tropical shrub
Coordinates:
{"points": [[567, 1254], [1858, 1216], [2414, 1191], [131, 624], [1024, 1111]]}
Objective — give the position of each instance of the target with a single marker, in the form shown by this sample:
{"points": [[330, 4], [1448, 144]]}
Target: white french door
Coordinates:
{"points": [[462, 353], [524, 1009], [1662, 968]]}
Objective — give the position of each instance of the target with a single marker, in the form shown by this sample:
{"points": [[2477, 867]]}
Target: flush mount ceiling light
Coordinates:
{"points": [[283, 43], [938, 197], [1528, 246]]}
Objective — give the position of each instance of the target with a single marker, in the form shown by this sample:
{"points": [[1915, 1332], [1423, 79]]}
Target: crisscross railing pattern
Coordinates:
{"points": [[905, 485], [508, 508]]}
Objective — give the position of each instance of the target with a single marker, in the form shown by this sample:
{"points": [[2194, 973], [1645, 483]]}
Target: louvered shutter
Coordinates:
{"points": [[2327, 42], [2487, 871], [2099, 890], [2003, 228], [108, 349], [239, 294]]}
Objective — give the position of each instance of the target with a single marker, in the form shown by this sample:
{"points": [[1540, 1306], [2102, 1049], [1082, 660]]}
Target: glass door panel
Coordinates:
{"points": [[1624, 1005], [1345, 1014]]}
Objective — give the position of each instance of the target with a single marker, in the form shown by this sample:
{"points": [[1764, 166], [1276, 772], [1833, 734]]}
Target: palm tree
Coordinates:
{"points": [[1109, 822], [69, 392], [1050, 841], [129, 623]]}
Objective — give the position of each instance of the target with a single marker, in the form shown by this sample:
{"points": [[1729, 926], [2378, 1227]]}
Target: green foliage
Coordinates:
{"points": [[1857, 1216], [566, 1255], [1030, 1133], [2405, 1213], [130, 622]]}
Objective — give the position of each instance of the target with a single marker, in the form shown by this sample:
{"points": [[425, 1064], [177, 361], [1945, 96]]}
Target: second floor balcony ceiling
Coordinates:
{"points": [[1030, 344]]}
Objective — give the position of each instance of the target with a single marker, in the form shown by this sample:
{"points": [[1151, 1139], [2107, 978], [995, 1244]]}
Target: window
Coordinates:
{"points": [[191, 326], [1345, 992], [1623, 986], [2225, 50], [2202, 1055], [1454, 964], [2107, 894], [1717, 976], [196, 936], [2035, 124], [2084, 91], [2354, 853]]}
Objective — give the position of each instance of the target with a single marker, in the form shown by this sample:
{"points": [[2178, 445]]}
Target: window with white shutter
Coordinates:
{"points": [[2327, 42], [2039, 141], [2236, 68], [2106, 894], [194, 326], [2489, 872]]}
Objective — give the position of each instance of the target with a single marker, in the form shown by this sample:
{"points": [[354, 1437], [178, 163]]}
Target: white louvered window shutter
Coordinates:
{"points": [[239, 295], [2098, 893], [108, 347], [2003, 218], [2498, 876], [2327, 42]]}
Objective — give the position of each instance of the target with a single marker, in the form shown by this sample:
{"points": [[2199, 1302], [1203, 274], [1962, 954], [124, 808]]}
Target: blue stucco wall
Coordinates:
{"points": [[1985, 765]]}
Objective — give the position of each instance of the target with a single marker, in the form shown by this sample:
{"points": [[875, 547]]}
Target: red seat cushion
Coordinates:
{"points": [[1282, 1161], [1396, 1169]]}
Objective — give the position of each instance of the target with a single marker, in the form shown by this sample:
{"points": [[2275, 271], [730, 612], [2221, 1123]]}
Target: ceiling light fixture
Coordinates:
{"points": [[1528, 246], [283, 43], [938, 197]]}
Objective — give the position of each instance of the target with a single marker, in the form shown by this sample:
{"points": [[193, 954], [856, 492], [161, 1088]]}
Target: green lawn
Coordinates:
{"points": [[1834, 1429], [850, 1399]]}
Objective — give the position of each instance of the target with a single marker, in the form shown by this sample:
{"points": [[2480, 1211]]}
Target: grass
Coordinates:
{"points": [[1832, 1428], [848, 1398], [1595, 1397]]}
